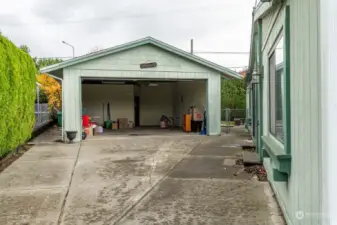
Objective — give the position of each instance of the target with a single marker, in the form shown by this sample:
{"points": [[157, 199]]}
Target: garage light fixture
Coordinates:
{"points": [[153, 85], [113, 82]]}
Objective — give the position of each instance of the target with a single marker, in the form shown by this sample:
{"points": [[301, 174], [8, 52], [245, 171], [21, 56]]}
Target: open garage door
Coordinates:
{"points": [[142, 102]]}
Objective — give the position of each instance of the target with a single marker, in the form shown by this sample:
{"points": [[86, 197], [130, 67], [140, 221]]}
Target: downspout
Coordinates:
{"points": [[261, 72], [249, 75], [57, 78]]}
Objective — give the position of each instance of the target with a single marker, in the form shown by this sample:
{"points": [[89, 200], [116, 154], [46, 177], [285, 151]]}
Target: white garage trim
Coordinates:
{"points": [[72, 111]]}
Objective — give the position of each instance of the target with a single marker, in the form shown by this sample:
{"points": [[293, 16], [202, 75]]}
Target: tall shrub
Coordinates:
{"points": [[17, 96], [233, 94]]}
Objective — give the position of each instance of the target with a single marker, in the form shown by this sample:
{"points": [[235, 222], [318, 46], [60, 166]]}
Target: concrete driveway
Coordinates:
{"points": [[165, 179]]}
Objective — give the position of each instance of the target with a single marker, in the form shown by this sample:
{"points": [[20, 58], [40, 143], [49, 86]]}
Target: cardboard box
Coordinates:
{"points": [[114, 126], [197, 115], [123, 123]]}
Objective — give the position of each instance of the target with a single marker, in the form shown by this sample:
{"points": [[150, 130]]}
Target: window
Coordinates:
{"points": [[276, 91]]}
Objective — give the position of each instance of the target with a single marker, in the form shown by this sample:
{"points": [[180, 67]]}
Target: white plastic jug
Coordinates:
{"points": [[162, 124], [100, 130]]}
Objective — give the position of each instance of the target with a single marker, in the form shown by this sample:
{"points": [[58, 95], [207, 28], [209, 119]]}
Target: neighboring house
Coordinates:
{"points": [[291, 104], [243, 73], [141, 81]]}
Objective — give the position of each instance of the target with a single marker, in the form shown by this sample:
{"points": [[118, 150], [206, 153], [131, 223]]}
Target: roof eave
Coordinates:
{"points": [[252, 47], [88, 57], [196, 59], [148, 40], [264, 8]]}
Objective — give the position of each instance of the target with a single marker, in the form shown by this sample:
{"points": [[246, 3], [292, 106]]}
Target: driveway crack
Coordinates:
{"points": [[68, 188], [129, 209]]}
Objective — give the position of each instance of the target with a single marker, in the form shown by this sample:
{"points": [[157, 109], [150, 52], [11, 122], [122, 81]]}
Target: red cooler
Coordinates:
{"points": [[85, 121]]}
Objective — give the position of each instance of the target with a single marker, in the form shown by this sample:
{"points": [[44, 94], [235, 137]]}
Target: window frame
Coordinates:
{"points": [[284, 32], [272, 53], [279, 153]]}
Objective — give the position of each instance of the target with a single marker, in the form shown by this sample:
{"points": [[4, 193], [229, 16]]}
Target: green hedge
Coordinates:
{"points": [[17, 96]]}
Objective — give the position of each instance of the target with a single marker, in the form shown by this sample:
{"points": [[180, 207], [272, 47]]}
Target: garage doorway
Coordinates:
{"points": [[142, 103]]}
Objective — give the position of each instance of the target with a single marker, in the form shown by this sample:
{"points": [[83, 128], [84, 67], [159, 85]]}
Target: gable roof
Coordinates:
{"points": [[148, 40]]}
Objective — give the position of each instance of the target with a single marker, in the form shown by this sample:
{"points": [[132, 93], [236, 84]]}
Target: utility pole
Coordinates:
{"points": [[192, 46]]}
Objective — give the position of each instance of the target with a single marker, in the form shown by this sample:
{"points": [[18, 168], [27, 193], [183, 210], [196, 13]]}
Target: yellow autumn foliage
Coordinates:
{"points": [[52, 89]]}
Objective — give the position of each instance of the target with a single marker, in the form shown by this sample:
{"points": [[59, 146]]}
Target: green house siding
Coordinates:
{"points": [[305, 107], [294, 168]]}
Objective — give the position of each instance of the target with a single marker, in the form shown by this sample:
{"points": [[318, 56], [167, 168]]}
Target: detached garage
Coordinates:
{"points": [[140, 81]]}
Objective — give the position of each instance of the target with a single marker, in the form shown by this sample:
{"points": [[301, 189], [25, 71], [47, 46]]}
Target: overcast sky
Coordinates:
{"points": [[215, 25]]}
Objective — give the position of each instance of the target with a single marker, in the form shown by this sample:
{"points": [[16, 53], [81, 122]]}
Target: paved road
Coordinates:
{"points": [[135, 180]]}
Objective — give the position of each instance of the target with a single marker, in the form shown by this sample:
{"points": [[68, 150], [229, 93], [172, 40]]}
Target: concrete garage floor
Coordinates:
{"points": [[163, 179]]}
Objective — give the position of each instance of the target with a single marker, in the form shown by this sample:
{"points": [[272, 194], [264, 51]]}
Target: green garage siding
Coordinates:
{"points": [[123, 63]]}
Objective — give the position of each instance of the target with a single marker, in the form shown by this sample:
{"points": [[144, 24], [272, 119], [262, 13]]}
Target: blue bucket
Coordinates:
{"points": [[203, 132]]}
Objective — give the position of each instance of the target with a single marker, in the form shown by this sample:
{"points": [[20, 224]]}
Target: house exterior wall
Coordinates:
{"points": [[328, 82], [125, 65], [267, 23], [299, 196], [305, 109]]}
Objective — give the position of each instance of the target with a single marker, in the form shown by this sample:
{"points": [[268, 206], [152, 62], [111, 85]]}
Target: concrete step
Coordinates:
{"points": [[251, 158], [247, 144]]}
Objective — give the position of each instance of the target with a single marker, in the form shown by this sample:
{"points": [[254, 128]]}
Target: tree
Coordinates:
{"points": [[96, 49], [43, 98], [233, 94], [43, 62], [17, 96], [52, 89], [25, 48], [49, 86]]}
